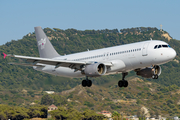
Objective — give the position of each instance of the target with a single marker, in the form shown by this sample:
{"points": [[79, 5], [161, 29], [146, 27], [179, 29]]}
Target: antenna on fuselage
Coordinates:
{"points": [[87, 49], [151, 39]]}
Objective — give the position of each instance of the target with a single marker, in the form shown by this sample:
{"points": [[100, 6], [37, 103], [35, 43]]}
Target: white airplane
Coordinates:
{"points": [[142, 57]]}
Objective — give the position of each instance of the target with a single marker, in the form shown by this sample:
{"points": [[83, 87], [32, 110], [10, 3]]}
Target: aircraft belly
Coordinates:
{"points": [[67, 72], [60, 71]]}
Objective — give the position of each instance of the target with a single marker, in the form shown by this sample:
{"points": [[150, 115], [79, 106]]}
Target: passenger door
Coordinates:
{"points": [[144, 49]]}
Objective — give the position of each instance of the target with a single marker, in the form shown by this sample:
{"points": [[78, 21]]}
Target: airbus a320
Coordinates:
{"points": [[142, 57]]}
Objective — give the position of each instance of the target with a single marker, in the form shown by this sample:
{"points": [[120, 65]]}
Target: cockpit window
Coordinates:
{"points": [[164, 45], [159, 46], [155, 47], [169, 46]]}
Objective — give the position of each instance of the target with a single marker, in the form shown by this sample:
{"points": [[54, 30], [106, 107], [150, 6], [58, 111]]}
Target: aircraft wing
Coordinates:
{"points": [[37, 61]]}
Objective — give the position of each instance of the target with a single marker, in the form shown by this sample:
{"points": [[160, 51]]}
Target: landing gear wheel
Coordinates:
{"points": [[155, 76], [84, 83], [125, 83], [120, 83], [89, 83]]}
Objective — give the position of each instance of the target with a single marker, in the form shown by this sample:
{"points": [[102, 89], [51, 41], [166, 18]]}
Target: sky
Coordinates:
{"points": [[19, 17]]}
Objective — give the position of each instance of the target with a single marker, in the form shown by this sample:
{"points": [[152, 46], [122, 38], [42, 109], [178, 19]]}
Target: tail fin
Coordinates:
{"points": [[46, 50]]}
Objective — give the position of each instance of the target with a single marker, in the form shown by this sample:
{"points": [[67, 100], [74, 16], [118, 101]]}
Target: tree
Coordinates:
{"points": [[47, 100], [61, 113], [3, 116], [89, 115], [37, 111], [115, 114]]}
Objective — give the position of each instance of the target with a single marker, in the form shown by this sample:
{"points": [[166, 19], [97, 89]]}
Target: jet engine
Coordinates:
{"points": [[95, 70], [150, 72]]}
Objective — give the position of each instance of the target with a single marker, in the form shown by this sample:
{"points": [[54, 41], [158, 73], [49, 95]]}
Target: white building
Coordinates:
{"points": [[49, 92]]}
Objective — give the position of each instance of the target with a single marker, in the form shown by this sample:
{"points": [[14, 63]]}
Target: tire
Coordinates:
{"points": [[156, 76], [125, 83], [89, 83], [120, 83], [84, 83]]}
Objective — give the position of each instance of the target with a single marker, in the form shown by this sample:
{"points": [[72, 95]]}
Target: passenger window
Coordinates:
{"points": [[155, 47], [159, 46]]}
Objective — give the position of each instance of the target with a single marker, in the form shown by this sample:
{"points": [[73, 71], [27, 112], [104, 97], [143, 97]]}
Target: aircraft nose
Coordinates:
{"points": [[173, 54]]}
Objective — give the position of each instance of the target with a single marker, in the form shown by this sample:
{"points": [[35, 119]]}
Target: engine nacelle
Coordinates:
{"points": [[95, 70], [149, 72]]}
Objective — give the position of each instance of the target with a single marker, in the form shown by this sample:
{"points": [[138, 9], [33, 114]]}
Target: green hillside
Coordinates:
{"points": [[155, 97], [71, 41]]}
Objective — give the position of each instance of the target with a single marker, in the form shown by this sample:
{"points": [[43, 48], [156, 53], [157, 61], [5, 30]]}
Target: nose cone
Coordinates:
{"points": [[172, 54]]}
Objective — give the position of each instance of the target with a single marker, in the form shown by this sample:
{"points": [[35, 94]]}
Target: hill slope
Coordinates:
{"points": [[152, 96]]}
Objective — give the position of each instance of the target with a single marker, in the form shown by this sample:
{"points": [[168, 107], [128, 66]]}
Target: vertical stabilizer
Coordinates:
{"points": [[46, 50]]}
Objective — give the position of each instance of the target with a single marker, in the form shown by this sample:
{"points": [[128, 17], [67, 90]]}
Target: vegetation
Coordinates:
{"points": [[19, 113], [72, 114]]}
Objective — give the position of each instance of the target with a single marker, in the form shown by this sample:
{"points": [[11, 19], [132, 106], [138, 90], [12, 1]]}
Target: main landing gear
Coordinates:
{"points": [[86, 82], [123, 82]]}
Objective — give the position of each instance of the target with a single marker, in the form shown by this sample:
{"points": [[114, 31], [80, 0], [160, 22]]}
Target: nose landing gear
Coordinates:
{"points": [[123, 82], [155, 76]]}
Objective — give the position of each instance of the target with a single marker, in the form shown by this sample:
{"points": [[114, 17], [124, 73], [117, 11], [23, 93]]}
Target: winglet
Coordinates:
{"points": [[4, 55]]}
